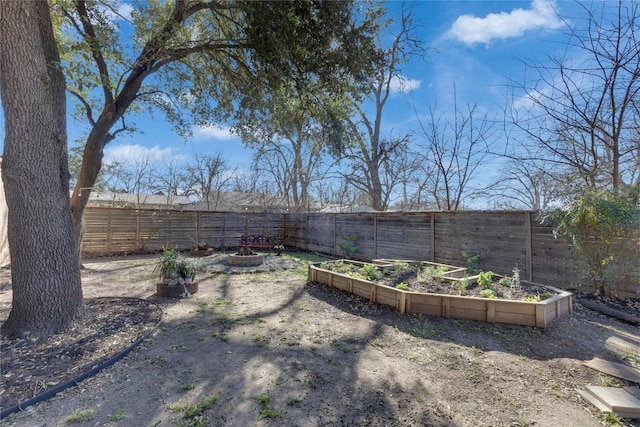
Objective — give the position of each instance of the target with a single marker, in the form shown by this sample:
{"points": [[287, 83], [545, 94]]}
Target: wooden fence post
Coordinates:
{"points": [[527, 245], [139, 245], [335, 243], [433, 237], [375, 235], [109, 233], [197, 227]]}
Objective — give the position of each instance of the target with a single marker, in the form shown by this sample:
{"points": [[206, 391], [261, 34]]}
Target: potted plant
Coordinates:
{"points": [[176, 275], [169, 265], [187, 271]]}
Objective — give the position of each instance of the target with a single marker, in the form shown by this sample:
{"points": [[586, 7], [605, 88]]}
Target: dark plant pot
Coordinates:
{"points": [[175, 291], [201, 252]]}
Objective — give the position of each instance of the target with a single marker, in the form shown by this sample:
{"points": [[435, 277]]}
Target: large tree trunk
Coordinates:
{"points": [[91, 164], [47, 292]]}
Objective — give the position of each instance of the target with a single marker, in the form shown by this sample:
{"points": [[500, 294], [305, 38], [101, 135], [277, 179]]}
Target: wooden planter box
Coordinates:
{"points": [[526, 313]]}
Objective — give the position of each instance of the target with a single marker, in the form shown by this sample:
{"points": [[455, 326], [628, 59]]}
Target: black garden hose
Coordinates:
{"points": [[48, 394]]}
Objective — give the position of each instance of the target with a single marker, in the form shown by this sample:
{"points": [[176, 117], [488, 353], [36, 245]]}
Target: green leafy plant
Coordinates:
{"points": [[400, 266], [471, 262], [169, 264], [118, 415], [488, 293], [402, 286], [610, 419], [431, 272], [484, 279], [195, 410], [605, 230], [460, 285], [506, 281], [186, 269], [81, 415], [175, 407], [337, 266], [350, 245], [370, 271], [186, 387], [266, 411]]}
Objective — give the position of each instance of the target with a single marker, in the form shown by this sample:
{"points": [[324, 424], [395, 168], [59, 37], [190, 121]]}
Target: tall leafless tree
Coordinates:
{"points": [[169, 178], [523, 185], [456, 147], [207, 176], [132, 175], [371, 153], [581, 106]]}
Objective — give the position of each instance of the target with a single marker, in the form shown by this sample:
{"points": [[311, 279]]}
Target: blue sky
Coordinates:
{"points": [[475, 44]]}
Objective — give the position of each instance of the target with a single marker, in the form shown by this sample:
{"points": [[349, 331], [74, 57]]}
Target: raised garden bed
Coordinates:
{"points": [[457, 295]]}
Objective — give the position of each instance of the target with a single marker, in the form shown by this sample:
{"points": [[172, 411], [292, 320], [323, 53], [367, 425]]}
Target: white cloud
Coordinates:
{"points": [[124, 11], [120, 11], [129, 154], [401, 84], [201, 133], [470, 29]]}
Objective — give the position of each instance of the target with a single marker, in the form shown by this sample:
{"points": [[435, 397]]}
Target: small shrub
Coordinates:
{"points": [[370, 272], [484, 279], [460, 285], [431, 272], [471, 261], [399, 266], [506, 281], [488, 293], [350, 245], [604, 230]]}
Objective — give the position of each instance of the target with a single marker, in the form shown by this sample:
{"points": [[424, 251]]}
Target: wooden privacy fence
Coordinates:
{"points": [[112, 230], [502, 239]]}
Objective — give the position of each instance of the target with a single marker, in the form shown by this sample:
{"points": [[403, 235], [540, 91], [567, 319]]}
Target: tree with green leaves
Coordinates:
{"points": [[45, 277], [292, 132], [605, 230], [204, 57], [207, 58]]}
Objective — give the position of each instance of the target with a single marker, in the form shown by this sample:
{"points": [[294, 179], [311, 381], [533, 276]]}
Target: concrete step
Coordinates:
{"points": [[621, 401], [614, 369]]}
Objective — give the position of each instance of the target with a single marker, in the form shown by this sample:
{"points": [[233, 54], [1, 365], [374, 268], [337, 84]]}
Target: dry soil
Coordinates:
{"points": [[267, 348]]}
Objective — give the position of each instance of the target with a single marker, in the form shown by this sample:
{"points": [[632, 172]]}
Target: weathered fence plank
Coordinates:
{"points": [[503, 239]]}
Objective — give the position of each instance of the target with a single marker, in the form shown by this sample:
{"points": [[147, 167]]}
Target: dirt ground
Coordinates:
{"points": [[267, 348]]}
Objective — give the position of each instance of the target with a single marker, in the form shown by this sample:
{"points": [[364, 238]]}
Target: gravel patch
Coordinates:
{"points": [[218, 264]]}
